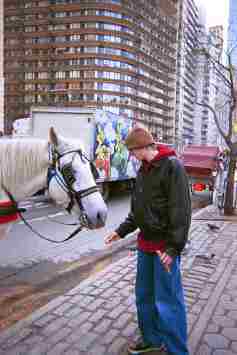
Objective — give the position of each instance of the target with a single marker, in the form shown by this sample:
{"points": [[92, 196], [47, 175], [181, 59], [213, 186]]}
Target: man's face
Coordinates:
{"points": [[138, 153]]}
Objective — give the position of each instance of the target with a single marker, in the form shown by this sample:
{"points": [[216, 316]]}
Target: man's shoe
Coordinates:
{"points": [[141, 348]]}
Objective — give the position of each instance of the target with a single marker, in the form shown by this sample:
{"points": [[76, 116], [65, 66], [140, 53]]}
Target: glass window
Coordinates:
{"points": [[75, 25], [89, 97], [75, 37], [89, 85], [74, 74], [60, 75], [43, 3], [30, 76], [29, 99], [30, 29], [29, 87], [89, 73], [43, 75], [60, 14]]}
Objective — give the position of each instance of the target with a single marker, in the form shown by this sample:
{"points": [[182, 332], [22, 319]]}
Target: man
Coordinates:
{"points": [[161, 209]]}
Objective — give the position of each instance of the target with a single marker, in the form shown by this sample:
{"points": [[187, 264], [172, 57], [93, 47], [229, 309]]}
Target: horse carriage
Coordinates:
{"points": [[202, 165], [29, 165]]}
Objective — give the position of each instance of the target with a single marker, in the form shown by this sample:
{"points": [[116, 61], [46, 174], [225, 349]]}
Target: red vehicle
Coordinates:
{"points": [[201, 163]]}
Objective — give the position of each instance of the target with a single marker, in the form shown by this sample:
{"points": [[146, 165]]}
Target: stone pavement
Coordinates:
{"points": [[99, 315]]}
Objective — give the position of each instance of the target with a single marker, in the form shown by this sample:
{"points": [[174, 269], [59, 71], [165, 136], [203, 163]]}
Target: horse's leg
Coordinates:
{"points": [[4, 229]]}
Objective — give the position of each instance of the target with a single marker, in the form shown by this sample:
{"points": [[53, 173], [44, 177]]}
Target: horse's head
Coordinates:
{"points": [[72, 183]]}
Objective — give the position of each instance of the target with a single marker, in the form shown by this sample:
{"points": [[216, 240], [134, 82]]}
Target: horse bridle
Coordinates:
{"points": [[66, 178], [66, 183]]}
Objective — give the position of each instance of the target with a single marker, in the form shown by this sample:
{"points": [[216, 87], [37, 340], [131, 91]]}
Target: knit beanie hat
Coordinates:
{"points": [[138, 137]]}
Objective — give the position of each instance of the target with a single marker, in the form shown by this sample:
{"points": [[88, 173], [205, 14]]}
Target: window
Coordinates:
{"points": [[28, 4], [60, 75], [30, 29], [75, 25], [29, 99], [75, 85], [43, 3], [30, 76], [75, 37], [74, 62], [60, 14], [74, 74], [90, 49], [75, 13], [89, 74], [90, 97], [60, 39], [42, 75], [89, 86], [30, 87]]}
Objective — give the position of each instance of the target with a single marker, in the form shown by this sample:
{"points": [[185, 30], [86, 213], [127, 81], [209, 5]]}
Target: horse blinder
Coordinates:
{"points": [[67, 173], [94, 170]]}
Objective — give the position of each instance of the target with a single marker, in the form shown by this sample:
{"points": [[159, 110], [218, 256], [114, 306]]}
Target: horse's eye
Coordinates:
{"points": [[94, 171]]}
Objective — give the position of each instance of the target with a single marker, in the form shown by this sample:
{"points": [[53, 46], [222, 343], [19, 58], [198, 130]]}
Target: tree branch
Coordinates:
{"points": [[233, 100], [226, 138]]}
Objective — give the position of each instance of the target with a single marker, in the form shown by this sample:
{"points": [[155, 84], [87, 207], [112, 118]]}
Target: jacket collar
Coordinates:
{"points": [[162, 152]]}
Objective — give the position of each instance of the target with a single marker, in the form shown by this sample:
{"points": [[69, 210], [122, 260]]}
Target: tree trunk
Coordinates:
{"points": [[229, 197]]}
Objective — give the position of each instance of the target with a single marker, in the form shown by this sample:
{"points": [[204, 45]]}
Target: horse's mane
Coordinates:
{"points": [[21, 159]]}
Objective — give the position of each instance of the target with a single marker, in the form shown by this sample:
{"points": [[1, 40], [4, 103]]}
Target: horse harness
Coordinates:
{"points": [[65, 178]]}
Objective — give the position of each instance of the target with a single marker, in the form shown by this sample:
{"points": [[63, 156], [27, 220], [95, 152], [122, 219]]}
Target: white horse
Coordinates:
{"points": [[29, 165]]}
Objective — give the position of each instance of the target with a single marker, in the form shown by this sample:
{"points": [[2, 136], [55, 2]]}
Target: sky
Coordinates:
{"points": [[216, 11]]}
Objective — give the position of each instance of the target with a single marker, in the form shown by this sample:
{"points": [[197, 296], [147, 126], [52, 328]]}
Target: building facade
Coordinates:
{"points": [[209, 85], [116, 55], [1, 70], [216, 82], [186, 73], [232, 31], [202, 86]]}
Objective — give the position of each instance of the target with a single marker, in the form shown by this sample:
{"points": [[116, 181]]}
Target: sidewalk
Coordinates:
{"points": [[99, 315]]}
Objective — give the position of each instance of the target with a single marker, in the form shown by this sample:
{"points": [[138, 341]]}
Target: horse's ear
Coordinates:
{"points": [[53, 139]]}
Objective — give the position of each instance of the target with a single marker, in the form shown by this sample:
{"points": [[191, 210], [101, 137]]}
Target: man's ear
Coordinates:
{"points": [[53, 138]]}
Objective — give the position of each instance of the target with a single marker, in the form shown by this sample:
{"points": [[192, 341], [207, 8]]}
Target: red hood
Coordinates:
{"points": [[163, 152]]}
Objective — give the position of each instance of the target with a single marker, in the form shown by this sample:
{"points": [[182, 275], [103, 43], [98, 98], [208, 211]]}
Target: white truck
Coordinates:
{"points": [[102, 134]]}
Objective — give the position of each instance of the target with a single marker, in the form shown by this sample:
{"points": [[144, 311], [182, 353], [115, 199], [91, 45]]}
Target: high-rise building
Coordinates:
{"points": [[209, 88], [215, 43], [1, 70], [202, 84], [186, 73], [118, 55], [232, 31]]}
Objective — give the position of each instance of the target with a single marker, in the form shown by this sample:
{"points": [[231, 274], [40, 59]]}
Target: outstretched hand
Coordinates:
{"points": [[112, 238], [166, 260]]}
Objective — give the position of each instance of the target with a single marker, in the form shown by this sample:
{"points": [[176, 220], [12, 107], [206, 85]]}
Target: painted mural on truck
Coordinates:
{"points": [[111, 156]]}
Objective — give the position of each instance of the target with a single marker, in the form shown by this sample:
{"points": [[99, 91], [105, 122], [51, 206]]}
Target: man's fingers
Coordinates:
{"points": [[111, 238], [108, 240], [165, 259]]}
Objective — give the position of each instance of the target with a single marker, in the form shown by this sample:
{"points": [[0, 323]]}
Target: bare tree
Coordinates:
{"points": [[226, 75]]}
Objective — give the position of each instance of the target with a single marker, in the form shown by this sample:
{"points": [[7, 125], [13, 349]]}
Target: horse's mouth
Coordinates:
{"points": [[95, 222], [97, 226]]}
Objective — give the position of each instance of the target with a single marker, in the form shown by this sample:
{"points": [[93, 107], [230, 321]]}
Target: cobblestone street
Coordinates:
{"points": [[99, 316]]}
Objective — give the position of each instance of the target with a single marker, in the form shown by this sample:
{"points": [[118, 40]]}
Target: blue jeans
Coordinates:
{"points": [[160, 304]]}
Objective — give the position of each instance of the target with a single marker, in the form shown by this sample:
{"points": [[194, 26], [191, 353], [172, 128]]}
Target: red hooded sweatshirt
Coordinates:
{"points": [[149, 246]]}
